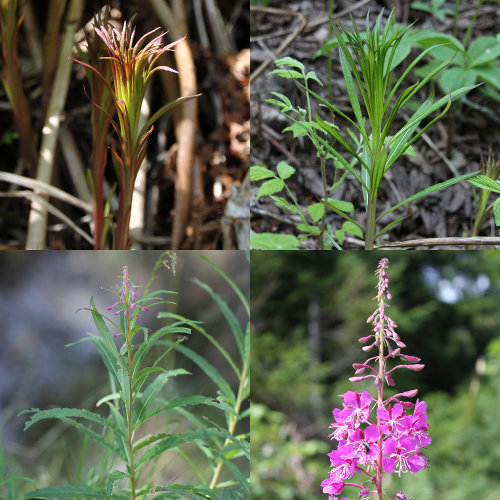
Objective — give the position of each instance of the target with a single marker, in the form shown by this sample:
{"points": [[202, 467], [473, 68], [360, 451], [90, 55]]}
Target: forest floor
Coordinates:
{"points": [[451, 147], [221, 157]]}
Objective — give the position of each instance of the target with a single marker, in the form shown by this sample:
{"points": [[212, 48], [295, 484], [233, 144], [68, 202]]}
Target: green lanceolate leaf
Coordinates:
{"points": [[483, 182], [209, 370], [431, 189], [496, 211], [200, 329], [144, 400], [66, 492], [179, 491], [173, 441], [189, 401], [68, 414], [230, 317]]}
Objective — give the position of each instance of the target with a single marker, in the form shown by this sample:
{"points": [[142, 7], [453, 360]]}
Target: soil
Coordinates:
{"points": [[222, 147], [454, 146]]}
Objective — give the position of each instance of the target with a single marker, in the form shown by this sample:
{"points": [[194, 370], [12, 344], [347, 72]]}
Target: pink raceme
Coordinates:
{"points": [[376, 435]]}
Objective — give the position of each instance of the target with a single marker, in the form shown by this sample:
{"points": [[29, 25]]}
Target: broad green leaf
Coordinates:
{"points": [[309, 229], [259, 173], [316, 211], [431, 189], [351, 228], [67, 492], [271, 187], [496, 211], [483, 182], [344, 206], [483, 50], [229, 316], [490, 74], [426, 38], [290, 61], [285, 170], [421, 6], [340, 235], [270, 241], [456, 78]]}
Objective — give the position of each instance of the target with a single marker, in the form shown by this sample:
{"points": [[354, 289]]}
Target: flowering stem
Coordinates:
{"points": [[129, 409], [380, 402]]}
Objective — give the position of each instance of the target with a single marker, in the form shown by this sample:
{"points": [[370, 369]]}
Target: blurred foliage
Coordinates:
{"points": [[446, 307]]}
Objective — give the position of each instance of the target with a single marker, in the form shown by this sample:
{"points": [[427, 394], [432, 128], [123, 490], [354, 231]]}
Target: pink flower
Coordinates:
{"points": [[402, 456], [390, 418], [343, 461], [332, 486], [359, 406]]}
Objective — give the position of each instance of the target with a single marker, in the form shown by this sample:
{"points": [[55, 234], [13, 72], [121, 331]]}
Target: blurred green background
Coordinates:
{"points": [[308, 311], [39, 294]]}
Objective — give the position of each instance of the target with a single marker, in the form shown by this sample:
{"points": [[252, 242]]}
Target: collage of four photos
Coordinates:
{"points": [[268, 258]]}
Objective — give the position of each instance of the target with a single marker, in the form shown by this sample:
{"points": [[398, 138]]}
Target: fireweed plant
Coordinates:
{"points": [[376, 435], [131, 67], [366, 60], [132, 357]]}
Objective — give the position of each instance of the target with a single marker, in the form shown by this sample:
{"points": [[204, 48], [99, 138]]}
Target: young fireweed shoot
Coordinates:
{"points": [[132, 67], [372, 146], [378, 436], [137, 379]]}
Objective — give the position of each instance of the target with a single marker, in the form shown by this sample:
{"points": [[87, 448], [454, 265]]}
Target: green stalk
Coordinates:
{"points": [[371, 214], [129, 408]]}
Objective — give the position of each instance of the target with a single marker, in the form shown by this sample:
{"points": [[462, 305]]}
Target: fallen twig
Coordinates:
{"points": [[459, 241], [41, 201], [46, 189]]}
